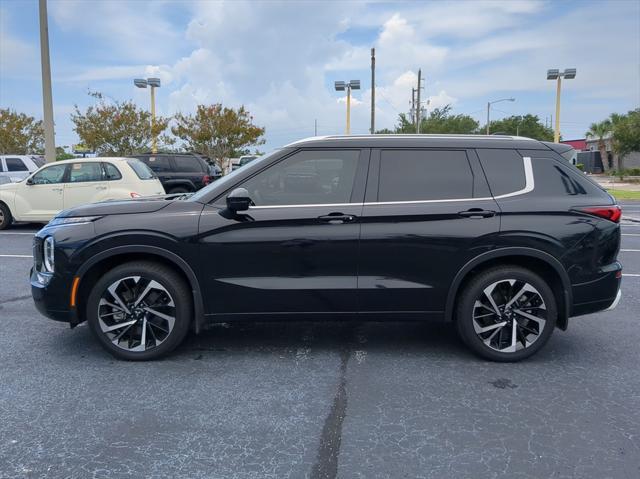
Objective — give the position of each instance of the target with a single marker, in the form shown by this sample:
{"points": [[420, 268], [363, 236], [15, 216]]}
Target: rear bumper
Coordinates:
{"points": [[615, 301], [598, 295]]}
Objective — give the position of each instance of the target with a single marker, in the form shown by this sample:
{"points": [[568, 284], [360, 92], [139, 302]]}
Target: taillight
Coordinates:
{"points": [[611, 213], [135, 195], [206, 179]]}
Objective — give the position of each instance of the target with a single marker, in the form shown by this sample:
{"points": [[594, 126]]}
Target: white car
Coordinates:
{"points": [[18, 167], [69, 183]]}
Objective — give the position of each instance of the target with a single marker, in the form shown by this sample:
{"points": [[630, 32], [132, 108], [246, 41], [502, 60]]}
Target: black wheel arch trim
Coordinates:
{"points": [[550, 260], [198, 305]]}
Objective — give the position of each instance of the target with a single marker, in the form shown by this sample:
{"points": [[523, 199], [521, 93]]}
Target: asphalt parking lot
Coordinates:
{"points": [[318, 400]]}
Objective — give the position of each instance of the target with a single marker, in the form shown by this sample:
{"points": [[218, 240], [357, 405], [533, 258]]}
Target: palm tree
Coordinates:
{"points": [[601, 132]]}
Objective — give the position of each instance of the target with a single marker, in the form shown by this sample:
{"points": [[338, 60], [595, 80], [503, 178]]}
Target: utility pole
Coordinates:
{"points": [[47, 96], [373, 91], [419, 111], [413, 107]]}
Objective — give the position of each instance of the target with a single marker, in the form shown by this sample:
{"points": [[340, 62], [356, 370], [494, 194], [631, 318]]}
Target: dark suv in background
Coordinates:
{"points": [[181, 172], [499, 234]]}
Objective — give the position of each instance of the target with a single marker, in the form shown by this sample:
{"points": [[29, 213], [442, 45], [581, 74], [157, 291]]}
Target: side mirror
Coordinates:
{"points": [[29, 181], [238, 200]]}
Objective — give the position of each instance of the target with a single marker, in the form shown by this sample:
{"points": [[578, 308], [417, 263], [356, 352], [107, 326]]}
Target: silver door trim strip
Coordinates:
{"points": [[529, 186]]}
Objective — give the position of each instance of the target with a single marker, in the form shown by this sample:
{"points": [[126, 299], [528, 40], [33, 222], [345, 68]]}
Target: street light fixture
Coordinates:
{"points": [[153, 83], [555, 74], [342, 86], [489, 108]]}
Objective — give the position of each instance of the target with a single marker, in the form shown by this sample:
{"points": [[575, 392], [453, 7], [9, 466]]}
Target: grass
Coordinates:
{"points": [[625, 194]]}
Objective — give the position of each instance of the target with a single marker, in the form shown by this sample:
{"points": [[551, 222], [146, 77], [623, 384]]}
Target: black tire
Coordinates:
{"points": [[522, 335], [178, 189], [6, 218], [173, 288]]}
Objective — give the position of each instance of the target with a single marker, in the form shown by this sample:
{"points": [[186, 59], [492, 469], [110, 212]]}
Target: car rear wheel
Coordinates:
{"points": [[5, 216], [506, 313], [140, 310]]}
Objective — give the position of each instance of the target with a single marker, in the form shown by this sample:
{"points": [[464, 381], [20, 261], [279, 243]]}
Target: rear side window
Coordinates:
{"points": [[188, 164], [83, 172], [415, 175], [140, 169], [111, 172], [504, 170], [16, 164]]}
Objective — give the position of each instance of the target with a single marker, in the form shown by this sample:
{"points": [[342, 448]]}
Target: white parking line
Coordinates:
{"points": [[16, 233], [631, 274], [15, 256], [630, 234], [631, 250]]}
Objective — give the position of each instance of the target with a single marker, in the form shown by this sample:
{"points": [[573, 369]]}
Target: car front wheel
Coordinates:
{"points": [[140, 310], [5, 216], [506, 313]]}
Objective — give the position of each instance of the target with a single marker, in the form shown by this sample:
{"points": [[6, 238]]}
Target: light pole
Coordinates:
{"points": [[47, 97], [489, 109], [342, 86], [153, 83], [555, 74]]}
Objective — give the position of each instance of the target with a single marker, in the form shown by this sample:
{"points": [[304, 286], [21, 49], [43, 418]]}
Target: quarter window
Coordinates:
{"points": [[16, 164], [83, 172], [418, 175], [504, 170], [111, 172], [306, 178], [49, 175]]}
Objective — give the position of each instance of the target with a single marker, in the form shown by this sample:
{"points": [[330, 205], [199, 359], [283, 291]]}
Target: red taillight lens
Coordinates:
{"points": [[611, 213], [135, 195], [206, 179]]}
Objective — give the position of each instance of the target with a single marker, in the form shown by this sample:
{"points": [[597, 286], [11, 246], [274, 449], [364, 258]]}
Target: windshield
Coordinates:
{"points": [[229, 179]]}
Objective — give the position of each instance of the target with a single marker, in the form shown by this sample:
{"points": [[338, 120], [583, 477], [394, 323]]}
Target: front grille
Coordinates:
{"points": [[38, 253]]}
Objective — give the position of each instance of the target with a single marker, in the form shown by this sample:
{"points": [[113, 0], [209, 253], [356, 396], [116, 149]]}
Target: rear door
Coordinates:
{"points": [[427, 212], [86, 184]]}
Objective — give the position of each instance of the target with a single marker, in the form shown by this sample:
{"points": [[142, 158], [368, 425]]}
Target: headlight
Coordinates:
{"points": [[48, 255], [72, 220]]}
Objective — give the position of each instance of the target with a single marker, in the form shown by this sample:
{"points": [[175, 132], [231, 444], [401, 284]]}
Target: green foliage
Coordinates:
{"points": [[522, 125], [626, 132], [117, 128], [440, 120], [580, 166], [218, 132], [62, 155], [20, 134]]}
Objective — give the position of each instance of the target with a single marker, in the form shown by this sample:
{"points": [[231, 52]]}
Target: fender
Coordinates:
{"points": [[513, 251], [198, 305]]}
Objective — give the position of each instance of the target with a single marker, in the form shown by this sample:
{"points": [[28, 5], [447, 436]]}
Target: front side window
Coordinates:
{"points": [[16, 164], [422, 175], [49, 175], [306, 178], [83, 172]]}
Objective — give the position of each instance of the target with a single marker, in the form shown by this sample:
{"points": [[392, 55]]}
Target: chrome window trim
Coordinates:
{"points": [[529, 186]]}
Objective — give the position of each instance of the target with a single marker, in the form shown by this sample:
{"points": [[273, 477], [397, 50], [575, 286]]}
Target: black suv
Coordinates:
{"points": [[500, 235], [181, 172]]}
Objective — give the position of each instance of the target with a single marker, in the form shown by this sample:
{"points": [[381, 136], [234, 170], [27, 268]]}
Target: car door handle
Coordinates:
{"points": [[337, 218], [477, 213], [56, 189], [101, 187]]}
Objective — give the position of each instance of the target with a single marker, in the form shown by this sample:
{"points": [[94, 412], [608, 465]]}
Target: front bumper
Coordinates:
{"points": [[52, 299]]}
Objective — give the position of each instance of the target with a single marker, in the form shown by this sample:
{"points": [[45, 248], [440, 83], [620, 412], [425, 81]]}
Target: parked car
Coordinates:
{"points": [[69, 183], [500, 235], [243, 160], [18, 167], [181, 173]]}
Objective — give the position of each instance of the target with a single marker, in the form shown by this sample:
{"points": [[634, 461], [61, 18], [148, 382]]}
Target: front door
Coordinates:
{"points": [[427, 212], [296, 250], [86, 184], [41, 197]]}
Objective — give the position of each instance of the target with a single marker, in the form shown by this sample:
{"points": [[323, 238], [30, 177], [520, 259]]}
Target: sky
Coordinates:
{"points": [[280, 58]]}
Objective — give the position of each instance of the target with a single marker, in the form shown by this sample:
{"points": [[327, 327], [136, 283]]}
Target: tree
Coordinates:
{"points": [[601, 131], [62, 155], [117, 128], [522, 125], [440, 120], [20, 134], [625, 134], [218, 132]]}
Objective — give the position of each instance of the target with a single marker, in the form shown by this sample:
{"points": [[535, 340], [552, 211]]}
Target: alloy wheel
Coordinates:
{"points": [[509, 315], [136, 313]]}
